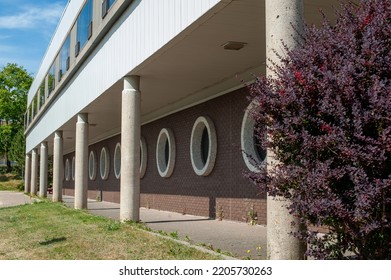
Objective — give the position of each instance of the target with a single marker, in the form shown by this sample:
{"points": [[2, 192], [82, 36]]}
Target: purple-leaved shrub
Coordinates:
{"points": [[328, 118]]}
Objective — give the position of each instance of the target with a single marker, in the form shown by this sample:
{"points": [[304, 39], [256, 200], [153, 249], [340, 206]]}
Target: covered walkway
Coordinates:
{"points": [[236, 238]]}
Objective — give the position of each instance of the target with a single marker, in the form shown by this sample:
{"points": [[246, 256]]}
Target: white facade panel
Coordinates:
{"points": [[58, 38], [145, 27]]}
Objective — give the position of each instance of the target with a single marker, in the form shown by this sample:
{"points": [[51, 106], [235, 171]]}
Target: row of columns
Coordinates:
{"points": [[284, 22], [130, 158], [31, 169]]}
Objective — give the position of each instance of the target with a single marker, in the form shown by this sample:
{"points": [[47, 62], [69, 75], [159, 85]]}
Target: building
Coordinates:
{"points": [[143, 102]]}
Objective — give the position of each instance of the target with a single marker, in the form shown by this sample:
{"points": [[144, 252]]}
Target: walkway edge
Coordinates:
{"points": [[200, 248], [152, 232]]}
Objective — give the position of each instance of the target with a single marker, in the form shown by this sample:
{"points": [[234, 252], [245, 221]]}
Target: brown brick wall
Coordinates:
{"points": [[185, 192]]}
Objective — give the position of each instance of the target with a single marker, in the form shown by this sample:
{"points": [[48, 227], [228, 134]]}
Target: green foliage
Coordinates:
{"points": [[10, 182], [3, 170], [112, 226], [14, 85], [252, 216], [17, 151], [327, 116], [174, 234], [20, 186]]}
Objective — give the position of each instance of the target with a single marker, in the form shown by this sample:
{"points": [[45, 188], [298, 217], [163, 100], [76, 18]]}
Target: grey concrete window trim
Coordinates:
{"points": [[104, 163], [143, 157], [250, 153], [67, 171], [117, 161], [165, 153], [73, 169], [106, 5], [203, 130], [92, 165]]}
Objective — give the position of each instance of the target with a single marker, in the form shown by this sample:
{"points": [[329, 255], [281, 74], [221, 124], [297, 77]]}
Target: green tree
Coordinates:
{"points": [[17, 151], [14, 85]]}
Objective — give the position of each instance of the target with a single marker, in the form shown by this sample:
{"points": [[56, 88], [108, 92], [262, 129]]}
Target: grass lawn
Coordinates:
{"points": [[9, 182], [49, 230]]}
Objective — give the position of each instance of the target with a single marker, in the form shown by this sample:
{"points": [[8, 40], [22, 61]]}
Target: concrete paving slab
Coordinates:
{"points": [[9, 198]]}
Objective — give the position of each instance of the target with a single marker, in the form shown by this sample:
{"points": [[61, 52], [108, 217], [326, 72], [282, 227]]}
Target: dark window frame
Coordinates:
{"points": [[106, 5]]}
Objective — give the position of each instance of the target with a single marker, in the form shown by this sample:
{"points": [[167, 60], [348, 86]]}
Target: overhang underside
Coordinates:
{"points": [[193, 67]]}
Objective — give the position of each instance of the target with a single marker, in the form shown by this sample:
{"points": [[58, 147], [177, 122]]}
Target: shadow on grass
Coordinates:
{"points": [[53, 240]]}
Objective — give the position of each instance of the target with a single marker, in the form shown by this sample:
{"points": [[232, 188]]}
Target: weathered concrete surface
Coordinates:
{"points": [[130, 150], [284, 22], [81, 162]]}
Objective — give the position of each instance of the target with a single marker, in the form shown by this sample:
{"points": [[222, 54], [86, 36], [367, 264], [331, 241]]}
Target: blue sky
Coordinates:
{"points": [[26, 28]]}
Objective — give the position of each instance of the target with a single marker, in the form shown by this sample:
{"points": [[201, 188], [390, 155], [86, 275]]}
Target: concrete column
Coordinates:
{"points": [[130, 150], [58, 168], [81, 162], [43, 170], [34, 172], [27, 174], [284, 21]]}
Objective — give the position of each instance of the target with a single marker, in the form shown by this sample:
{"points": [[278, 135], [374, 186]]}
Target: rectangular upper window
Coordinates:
{"points": [[84, 27], [106, 4], [35, 106], [41, 95], [51, 80], [25, 120], [64, 58], [29, 114]]}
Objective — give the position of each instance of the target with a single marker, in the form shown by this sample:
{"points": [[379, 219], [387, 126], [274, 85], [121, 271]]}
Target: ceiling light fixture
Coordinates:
{"points": [[234, 46]]}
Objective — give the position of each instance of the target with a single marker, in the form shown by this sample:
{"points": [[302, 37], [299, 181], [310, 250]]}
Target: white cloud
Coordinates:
{"points": [[33, 17]]}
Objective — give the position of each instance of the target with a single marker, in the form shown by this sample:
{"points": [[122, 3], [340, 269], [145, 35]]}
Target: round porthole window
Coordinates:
{"points": [[104, 163], [117, 161], [73, 168], [165, 152], [67, 171], [143, 157], [203, 146], [92, 165], [253, 154]]}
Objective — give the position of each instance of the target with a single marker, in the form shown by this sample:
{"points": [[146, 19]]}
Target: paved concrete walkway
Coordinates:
{"points": [[236, 238], [8, 198]]}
